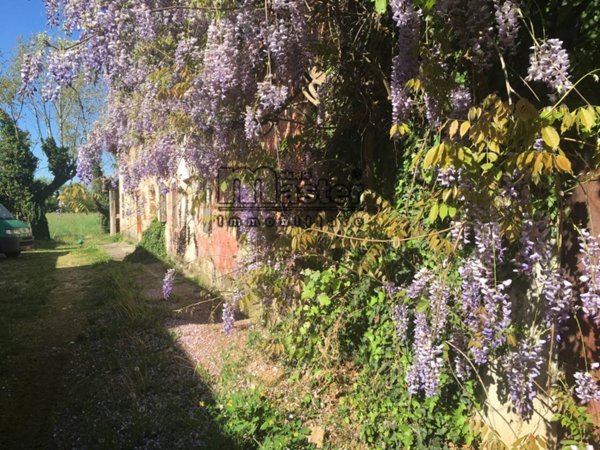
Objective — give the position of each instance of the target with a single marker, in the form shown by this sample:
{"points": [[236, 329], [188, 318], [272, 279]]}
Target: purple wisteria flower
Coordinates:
{"points": [[401, 318], [433, 111], [252, 125], [462, 367], [486, 303], [52, 12], [535, 247], [390, 289], [448, 177], [228, 318], [586, 387], [420, 281], [229, 309], [549, 64], [460, 102], [472, 24], [167, 287], [404, 62], [522, 367], [507, 22], [187, 49], [270, 96], [439, 298], [424, 374], [31, 68], [560, 299], [590, 261]]}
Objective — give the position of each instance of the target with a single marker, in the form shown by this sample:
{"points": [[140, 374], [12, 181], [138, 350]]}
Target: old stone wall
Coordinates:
{"points": [[188, 209]]}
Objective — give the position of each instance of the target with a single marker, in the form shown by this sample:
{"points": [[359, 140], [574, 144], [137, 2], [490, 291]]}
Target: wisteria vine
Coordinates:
{"points": [[209, 86]]}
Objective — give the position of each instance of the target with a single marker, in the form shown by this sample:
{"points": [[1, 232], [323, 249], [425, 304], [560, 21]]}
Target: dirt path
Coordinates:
{"points": [[92, 356], [194, 320], [118, 251]]}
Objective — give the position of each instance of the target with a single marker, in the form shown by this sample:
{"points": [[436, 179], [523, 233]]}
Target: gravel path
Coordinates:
{"points": [[196, 320]]}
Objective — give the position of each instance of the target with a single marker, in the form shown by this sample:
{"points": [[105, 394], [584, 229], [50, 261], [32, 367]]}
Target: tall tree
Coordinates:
{"points": [[62, 121], [17, 168], [62, 164]]}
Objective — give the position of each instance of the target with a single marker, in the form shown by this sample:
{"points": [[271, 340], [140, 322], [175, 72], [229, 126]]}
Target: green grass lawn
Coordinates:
{"points": [[70, 227]]}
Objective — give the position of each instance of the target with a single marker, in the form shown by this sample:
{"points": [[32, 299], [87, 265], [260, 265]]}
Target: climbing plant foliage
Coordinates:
{"points": [[471, 122]]}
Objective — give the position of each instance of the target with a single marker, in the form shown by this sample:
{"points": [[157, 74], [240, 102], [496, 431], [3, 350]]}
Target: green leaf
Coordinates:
{"points": [[551, 137], [324, 300], [443, 211], [380, 6], [422, 306]]}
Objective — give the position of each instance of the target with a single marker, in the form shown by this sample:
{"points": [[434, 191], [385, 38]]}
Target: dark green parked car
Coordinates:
{"points": [[14, 234]]}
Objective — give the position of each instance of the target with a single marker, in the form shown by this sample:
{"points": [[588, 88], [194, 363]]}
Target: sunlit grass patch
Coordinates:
{"points": [[71, 227]]}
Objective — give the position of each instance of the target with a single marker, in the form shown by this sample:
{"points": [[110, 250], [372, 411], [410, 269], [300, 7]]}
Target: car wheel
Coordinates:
{"points": [[12, 254]]}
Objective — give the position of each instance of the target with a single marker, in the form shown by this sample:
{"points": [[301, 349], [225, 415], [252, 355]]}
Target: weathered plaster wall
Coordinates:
{"points": [[187, 207]]}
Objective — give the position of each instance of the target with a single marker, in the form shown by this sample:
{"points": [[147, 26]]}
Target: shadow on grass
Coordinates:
{"points": [[87, 361], [143, 256], [186, 307]]}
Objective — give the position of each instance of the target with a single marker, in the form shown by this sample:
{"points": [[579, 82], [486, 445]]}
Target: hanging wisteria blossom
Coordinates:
{"points": [[549, 63]]}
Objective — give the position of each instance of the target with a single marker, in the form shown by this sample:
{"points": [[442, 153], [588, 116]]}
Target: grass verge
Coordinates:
{"points": [[71, 227]]}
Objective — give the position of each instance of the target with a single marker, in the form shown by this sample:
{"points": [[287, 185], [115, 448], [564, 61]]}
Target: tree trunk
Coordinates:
{"points": [[39, 222]]}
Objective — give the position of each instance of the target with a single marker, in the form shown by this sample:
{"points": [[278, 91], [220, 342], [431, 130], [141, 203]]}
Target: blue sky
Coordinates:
{"points": [[22, 18]]}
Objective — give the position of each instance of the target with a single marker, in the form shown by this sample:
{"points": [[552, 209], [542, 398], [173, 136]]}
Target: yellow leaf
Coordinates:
{"points": [[395, 129], [539, 163], [562, 163], [525, 110], [587, 117], [548, 160], [453, 128], [464, 128], [529, 158], [551, 137], [474, 113], [446, 195], [568, 121], [431, 157], [317, 436], [433, 213], [511, 339], [493, 146], [547, 113]]}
